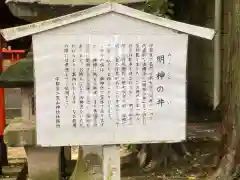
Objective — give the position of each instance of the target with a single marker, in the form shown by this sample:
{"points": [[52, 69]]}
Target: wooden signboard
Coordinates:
{"points": [[109, 75], [110, 89]]}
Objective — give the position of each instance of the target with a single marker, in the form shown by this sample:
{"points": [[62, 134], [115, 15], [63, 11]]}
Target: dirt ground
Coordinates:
{"points": [[196, 167]]}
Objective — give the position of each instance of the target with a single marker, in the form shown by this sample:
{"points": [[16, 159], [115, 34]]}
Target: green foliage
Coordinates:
{"points": [[162, 8]]}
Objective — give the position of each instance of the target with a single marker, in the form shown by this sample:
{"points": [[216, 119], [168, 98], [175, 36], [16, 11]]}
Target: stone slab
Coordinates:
{"points": [[44, 163]]}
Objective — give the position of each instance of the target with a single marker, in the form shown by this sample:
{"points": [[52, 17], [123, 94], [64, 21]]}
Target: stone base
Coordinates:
{"points": [[43, 163]]}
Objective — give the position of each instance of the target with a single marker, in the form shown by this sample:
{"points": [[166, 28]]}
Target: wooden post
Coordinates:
{"points": [[3, 148], [89, 164], [97, 162], [111, 162]]}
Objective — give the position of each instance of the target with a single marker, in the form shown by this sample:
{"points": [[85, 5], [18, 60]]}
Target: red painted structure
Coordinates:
{"points": [[5, 54]]}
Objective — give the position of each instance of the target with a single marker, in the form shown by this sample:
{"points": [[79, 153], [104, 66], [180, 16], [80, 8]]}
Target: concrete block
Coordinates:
{"points": [[44, 163]]}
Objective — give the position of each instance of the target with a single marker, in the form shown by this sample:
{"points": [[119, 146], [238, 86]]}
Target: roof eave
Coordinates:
{"points": [[198, 31], [71, 2], [41, 10], [33, 28], [30, 29]]}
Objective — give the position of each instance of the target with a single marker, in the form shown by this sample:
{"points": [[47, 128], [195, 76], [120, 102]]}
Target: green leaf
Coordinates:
{"points": [[162, 8]]}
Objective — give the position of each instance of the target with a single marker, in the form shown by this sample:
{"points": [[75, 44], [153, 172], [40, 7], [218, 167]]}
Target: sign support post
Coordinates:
{"points": [[111, 162]]}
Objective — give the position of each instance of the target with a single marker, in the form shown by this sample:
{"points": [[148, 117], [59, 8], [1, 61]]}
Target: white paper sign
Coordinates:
{"points": [[110, 89]]}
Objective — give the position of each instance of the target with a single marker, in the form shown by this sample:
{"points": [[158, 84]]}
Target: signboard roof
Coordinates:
{"points": [[30, 29], [72, 2]]}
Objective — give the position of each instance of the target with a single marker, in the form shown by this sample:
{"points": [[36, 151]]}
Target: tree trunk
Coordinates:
{"points": [[230, 102]]}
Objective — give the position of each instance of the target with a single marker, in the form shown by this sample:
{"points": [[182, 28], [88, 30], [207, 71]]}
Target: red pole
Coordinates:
{"points": [[3, 148]]}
